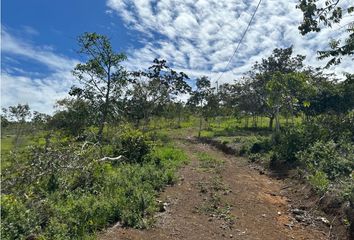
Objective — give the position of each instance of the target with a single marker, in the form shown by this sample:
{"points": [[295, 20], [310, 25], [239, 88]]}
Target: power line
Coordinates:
{"points": [[239, 43]]}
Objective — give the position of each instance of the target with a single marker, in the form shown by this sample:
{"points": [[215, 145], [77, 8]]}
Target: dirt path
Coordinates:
{"points": [[220, 197]]}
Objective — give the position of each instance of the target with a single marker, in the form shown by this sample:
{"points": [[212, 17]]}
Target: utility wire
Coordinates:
{"points": [[239, 43]]}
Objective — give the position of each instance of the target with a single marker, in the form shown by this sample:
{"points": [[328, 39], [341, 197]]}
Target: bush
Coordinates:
{"points": [[334, 160], [253, 144], [133, 145], [319, 181], [288, 143], [17, 220]]}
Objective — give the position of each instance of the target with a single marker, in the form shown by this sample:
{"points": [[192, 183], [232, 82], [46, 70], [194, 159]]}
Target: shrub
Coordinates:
{"points": [[253, 144], [319, 181], [288, 143], [17, 220], [133, 145], [329, 157]]}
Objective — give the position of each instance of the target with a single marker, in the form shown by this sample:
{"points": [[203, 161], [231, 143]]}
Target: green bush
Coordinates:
{"points": [[253, 144], [288, 143], [133, 145], [334, 160], [17, 219], [319, 181]]}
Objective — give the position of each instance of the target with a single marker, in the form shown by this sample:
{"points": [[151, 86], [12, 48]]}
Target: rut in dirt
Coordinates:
{"points": [[220, 197]]}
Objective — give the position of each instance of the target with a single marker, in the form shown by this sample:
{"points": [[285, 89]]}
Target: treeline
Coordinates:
{"points": [[107, 93]]}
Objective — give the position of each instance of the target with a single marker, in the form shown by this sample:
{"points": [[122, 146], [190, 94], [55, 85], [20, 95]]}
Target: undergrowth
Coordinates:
{"points": [[63, 191]]}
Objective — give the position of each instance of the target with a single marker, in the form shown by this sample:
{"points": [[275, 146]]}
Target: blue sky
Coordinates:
{"points": [[196, 36]]}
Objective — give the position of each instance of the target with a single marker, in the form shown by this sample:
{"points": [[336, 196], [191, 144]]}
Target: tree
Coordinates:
{"points": [[199, 98], [228, 94], [281, 60], [327, 12], [73, 115], [40, 119], [155, 88], [330, 96], [284, 91], [137, 105], [18, 114], [102, 77]]}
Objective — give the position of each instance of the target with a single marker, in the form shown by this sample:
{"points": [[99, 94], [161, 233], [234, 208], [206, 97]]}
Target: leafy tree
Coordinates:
{"points": [[40, 119], [137, 105], [199, 98], [73, 116], [102, 77], [284, 91], [281, 60], [328, 12], [228, 98], [329, 95], [18, 114], [155, 88]]}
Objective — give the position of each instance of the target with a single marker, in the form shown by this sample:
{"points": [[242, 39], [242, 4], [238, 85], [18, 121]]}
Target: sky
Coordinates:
{"points": [[198, 37]]}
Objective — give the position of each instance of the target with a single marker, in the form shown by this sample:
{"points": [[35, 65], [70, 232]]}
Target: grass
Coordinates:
{"points": [[209, 163]]}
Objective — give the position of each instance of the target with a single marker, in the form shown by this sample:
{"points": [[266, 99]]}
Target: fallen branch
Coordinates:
{"points": [[119, 158]]}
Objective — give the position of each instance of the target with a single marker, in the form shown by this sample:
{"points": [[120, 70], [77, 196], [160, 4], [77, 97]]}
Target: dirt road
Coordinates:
{"points": [[221, 197]]}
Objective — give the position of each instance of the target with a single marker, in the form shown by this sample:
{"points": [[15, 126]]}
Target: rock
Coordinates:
{"points": [[231, 236], [279, 213]]}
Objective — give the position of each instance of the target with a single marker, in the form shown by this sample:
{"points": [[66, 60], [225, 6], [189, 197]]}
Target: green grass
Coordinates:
{"points": [[208, 162]]}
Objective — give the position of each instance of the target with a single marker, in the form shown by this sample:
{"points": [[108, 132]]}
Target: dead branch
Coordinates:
{"points": [[119, 158]]}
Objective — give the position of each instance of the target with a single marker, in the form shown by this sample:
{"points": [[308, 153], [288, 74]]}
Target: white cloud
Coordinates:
{"points": [[39, 90], [43, 55], [200, 36]]}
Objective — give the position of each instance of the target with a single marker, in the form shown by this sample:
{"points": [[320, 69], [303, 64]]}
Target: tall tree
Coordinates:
{"points": [[102, 77], [199, 98], [281, 60], [327, 13], [155, 88], [284, 91]]}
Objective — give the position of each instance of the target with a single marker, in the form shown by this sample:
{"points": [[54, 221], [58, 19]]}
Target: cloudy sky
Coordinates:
{"points": [[198, 37]]}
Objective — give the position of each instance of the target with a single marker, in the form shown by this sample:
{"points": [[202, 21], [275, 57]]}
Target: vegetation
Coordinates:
{"points": [[65, 190], [104, 154], [321, 14]]}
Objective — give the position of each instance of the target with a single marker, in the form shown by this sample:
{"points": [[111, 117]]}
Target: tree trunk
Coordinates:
{"points": [[277, 121], [271, 119], [179, 119], [200, 126], [105, 108]]}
